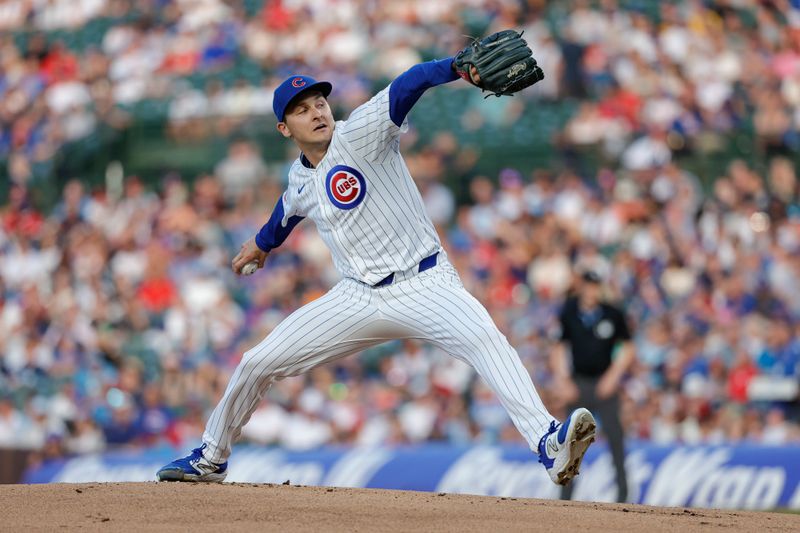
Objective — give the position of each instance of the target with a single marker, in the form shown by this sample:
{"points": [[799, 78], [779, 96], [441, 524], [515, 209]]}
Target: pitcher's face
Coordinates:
{"points": [[308, 120]]}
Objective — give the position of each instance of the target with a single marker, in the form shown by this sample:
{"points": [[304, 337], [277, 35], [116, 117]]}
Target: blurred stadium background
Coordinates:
{"points": [[138, 151]]}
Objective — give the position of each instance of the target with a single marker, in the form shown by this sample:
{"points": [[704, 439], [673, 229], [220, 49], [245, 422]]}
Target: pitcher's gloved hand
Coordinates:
{"points": [[503, 62]]}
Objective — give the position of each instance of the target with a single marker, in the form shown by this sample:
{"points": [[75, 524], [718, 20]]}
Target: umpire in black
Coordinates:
{"points": [[593, 330]]}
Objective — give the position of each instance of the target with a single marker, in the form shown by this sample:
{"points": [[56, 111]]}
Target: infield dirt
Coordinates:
{"points": [[244, 507]]}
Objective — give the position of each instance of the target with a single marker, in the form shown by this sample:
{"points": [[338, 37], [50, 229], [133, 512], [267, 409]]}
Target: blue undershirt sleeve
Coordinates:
{"points": [[406, 89], [273, 233]]}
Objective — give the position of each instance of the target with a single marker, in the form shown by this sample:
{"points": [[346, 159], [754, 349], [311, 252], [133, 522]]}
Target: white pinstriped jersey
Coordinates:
{"points": [[370, 214], [362, 198]]}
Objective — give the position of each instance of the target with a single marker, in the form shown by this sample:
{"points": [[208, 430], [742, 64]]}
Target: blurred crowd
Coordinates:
{"points": [[652, 79], [120, 321]]}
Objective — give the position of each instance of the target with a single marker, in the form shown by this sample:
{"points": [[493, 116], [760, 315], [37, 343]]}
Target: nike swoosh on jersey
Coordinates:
{"points": [[301, 188]]}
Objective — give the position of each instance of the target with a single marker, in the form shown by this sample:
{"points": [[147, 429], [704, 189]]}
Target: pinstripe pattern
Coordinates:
{"points": [[336, 325], [389, 232], [445, 314], [432, 306]]}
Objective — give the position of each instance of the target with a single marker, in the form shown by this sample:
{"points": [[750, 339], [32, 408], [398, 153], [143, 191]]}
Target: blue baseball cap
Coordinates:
{"points": [[291, 88]]}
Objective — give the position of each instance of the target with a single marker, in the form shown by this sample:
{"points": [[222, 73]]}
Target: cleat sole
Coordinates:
{"points": [[180, 476], [583, 436]]}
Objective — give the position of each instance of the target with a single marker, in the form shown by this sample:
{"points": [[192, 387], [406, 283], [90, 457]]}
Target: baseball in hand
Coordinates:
{"points": [[250, 268]]}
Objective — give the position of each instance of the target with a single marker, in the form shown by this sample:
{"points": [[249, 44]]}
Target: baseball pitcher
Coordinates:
{"points": [[352, 181]]}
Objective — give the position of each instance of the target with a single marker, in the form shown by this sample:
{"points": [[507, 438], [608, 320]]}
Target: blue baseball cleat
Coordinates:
{"points": [[193, 467], [561, 449]]}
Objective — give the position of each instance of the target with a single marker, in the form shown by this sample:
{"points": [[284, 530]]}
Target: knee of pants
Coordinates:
{"points": [[483, 339], [257, 362]]}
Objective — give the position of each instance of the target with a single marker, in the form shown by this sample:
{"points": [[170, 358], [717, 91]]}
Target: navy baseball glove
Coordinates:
{"points": [[503, 61]]}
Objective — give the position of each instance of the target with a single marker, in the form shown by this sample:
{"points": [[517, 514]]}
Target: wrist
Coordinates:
{"points": [[448, 69], [261, 243]]}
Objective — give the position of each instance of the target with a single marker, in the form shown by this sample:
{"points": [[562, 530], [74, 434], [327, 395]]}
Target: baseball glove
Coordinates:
{"points": [[503, 62]]}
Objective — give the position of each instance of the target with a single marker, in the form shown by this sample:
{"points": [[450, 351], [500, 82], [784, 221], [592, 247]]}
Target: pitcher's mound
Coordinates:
{"points": [[244, 507]]}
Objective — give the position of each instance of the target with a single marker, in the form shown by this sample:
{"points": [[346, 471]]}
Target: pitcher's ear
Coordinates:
{"points": [[284, 129]]}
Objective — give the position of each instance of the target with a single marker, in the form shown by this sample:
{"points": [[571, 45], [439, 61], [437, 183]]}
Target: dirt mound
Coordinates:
{"points": [[244, 507]]}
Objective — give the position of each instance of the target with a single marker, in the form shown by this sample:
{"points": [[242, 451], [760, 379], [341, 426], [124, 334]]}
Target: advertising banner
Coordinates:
{"points": [[736, 477]]}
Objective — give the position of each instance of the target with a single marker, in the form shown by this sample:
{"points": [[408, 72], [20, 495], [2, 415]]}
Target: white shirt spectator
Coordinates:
{"points": [[439, 203], [661, 111], [417, 420], [18, 431], [188, 104], [675, 41], [237, 101], [197, 14], [265, 424], [117, 39], [28, 266], [67, 95], [345, 47], [86, 439], [67, 13], [13, 13], [645, 153], [78, 123], [240, 171], [712, 94], [550, 274], [569, 204], [586, 26], [302, 432]]}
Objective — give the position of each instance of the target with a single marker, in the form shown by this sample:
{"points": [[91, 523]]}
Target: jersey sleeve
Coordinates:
{"points": [[375, 127], [283, 220]]}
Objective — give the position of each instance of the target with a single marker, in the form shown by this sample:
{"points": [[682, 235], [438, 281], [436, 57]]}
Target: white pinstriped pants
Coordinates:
{"points": [[432, 306]]}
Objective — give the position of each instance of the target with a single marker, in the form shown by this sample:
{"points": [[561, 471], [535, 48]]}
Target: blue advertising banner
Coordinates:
{"points": [[735, 477]]}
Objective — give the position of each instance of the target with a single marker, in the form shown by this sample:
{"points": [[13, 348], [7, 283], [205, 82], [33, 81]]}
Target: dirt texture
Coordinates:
{"points": [[245, 507]]}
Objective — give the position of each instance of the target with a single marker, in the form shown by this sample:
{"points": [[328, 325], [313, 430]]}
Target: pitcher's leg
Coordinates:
{"points": [[561, 447], [320, 331], [447, 315]]}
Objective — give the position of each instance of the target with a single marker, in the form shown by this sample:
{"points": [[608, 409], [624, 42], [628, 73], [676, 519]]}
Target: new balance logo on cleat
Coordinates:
{"points": [[562, 448], [552, 448]]}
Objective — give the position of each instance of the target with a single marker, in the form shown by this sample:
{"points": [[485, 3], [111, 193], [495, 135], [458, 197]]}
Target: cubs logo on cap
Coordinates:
{"points": [[298, 82], [346, 187]]}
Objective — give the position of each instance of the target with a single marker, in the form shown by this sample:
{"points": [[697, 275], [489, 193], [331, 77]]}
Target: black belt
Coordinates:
{"points": [[425, 264]]}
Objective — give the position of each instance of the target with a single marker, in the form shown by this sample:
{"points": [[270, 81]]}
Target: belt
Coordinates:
{"points": [[425, 264]]}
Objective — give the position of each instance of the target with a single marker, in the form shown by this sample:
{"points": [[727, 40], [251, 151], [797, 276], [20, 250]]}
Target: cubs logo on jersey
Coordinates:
{"points": [[346, 187]]}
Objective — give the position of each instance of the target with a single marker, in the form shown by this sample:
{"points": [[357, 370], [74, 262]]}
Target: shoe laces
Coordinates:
{"points": [[197, 453], [553, 428]]}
